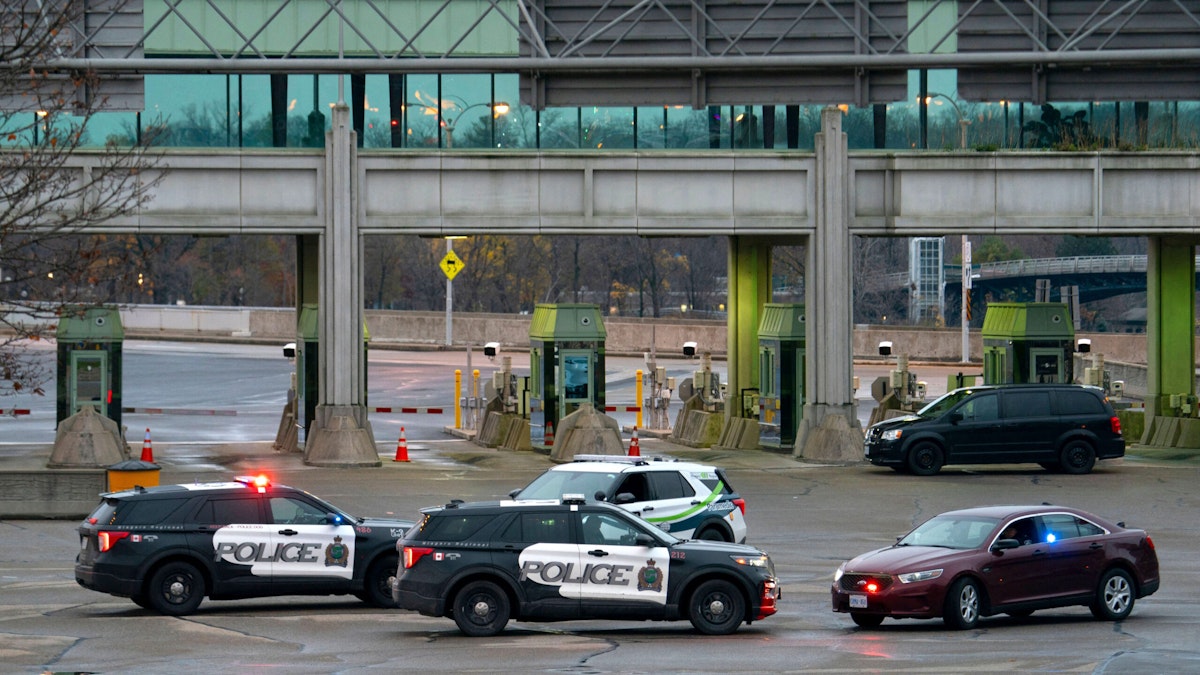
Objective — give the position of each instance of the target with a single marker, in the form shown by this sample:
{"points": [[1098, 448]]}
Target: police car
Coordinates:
{"points": [[691, 501], [485, 563], [167, 547]]}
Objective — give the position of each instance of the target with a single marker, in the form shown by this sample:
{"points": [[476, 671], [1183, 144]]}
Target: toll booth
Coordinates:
{"points": [[308, 364], [89, 361], [781, 349], [566, 363], [1027, 343]]}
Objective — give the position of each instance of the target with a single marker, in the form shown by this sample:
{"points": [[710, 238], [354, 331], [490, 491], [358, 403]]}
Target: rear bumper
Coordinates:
{"points": [[106, 582]]}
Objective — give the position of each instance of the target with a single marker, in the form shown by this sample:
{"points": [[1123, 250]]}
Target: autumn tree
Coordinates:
{"points": [[46, 199]]}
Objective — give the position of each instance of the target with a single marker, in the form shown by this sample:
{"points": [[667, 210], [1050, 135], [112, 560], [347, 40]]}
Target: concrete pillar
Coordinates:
{"points": [[830, 428], [749, 288], [341, 433], [1170, 319]]}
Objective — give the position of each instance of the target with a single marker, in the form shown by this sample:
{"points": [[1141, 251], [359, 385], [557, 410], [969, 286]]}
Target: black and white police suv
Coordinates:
{"points": [[484, 563], [689, 500], [168, 547]]}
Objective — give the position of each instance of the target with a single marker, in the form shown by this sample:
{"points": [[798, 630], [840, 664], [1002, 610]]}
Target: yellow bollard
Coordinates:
{"points": [[458, 399], [640, 403]]}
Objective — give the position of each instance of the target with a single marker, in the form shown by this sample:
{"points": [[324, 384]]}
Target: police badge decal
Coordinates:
{"points": [[336, 553], [650, 578]]}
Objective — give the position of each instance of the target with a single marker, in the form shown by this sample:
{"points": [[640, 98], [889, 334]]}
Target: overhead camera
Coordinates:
{"points": [[289, 350], [1083, 346], [491, 349], [885, 348], [689, 349]]}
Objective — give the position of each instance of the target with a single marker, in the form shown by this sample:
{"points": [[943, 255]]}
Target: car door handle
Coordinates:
{"points": [[288, 532], [1095, 545], [599, 553], [1039, 552], [647, 508]]}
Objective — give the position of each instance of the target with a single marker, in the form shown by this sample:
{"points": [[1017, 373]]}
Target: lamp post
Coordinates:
{"points": [[449, 123], [963, 122]]}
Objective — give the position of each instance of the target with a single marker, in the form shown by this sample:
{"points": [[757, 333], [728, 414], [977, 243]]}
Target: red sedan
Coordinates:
{"points": [[963, 565]]}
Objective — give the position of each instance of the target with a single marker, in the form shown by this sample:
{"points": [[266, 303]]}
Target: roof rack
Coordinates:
{"points": [[617, 459]]}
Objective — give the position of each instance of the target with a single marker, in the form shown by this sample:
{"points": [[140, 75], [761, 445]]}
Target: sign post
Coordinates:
{"points": [[451, 265], [966, 299]]}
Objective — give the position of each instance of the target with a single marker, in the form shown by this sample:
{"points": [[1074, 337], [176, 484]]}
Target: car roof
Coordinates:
{"points": [[1032, 385], [1005, 512], [506, 505], [243, 484], [620, 464]]}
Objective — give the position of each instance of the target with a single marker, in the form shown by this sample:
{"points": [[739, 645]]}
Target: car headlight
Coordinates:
{"points": [[892, 434], [912, 577], [840, 571], [760, 560]]}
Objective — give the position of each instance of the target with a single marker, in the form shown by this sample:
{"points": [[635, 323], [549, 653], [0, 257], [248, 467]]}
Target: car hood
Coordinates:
{"points": [[899, 559], [706, 546], [385, 522], [894, 422]]}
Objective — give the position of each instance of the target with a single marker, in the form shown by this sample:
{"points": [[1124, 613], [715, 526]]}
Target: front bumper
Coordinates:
{"points": [[912, 603], [882, 453]]}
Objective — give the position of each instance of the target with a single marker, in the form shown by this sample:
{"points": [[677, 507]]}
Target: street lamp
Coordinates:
{"points": [[963, 122], [440, 108]]}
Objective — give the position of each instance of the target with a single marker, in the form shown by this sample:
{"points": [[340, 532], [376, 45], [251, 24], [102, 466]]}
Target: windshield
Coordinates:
{"points": [[959, 532], [944, 403], [555, 484]]}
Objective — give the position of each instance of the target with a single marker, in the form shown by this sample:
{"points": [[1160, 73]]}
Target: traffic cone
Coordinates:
{"points": [[147, 449], [401, 448], [635, 450], [549, 434]]}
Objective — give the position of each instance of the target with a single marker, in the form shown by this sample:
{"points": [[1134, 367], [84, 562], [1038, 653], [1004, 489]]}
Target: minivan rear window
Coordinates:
{"points": [[1079, 403]]}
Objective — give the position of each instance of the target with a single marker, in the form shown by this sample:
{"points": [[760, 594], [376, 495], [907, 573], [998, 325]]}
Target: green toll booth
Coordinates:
{"points": [[89, 361], [308, 364], [781, 369], [566, 365], [1028, 343]]}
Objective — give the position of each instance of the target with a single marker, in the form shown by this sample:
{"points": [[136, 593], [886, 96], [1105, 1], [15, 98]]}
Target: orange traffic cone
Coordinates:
{"points": [[635, 450], [401, 448], [549, 434], [147, 449]]}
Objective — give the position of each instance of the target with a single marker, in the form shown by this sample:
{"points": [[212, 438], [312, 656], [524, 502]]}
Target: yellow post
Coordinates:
{"points": [[457, 399], [476, 409], [640, 403]]}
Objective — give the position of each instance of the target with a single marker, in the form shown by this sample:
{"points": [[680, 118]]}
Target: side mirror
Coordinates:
{"points": [[644, 539], [513, 493], [600, 496], [1004, 544], [624, 498], [955, 417], [332, 518]]}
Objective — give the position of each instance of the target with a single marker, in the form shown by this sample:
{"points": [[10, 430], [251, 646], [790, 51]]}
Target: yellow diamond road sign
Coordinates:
{"points": [[451, 265]]}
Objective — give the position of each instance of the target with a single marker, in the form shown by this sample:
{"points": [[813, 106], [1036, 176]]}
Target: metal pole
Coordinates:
{"points": [[966, 294], [449, 300]]}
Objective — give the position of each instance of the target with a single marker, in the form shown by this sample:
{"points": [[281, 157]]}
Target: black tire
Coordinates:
{"points": [[1114, 596], [717, 608], [866, 620], [1054, 467], [713, 533], [377, 589], [925, 459], [963, 604], [481, 609], [1077, 457], [176, 589]]}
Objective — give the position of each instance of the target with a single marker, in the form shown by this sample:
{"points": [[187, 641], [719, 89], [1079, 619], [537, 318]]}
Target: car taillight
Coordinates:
{"points": [[1116, 424], [1149, 543], [741, 504], [414, 553], [108, 539]]}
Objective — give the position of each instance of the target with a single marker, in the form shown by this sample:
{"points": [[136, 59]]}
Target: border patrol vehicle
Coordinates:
{"points": [[485, 563], [688, 500], [167, 547]]}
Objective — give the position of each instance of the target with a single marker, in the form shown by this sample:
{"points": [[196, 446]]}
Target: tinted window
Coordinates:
{"points": [[1023, 530], [712, 480], [1073, 402], [456, 527], [606, 529], [555, 484], [669, 485], [1019, 404], [1060, 526], [532, 528], [104, 512], [150, 512], [232, 510], [295, 512], [636, 485], [983, 408]]}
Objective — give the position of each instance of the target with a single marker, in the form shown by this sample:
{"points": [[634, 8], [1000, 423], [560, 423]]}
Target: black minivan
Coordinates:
{"points": [[1062, 427]]}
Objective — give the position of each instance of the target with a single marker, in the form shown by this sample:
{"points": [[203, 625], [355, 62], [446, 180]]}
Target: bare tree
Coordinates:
{"points": [[47, 197]]}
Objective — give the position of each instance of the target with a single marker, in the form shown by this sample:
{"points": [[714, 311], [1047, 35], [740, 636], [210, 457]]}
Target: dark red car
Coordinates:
{"points": [[962, 565]]}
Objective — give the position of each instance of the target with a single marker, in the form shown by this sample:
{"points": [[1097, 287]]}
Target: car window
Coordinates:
{"points": [[218, 511], [457, 527], [636, 485], [1060, 526], [604, 529], [1018, 404], [669, 485], [982, 408], [539, 527], [295, 512], [713, 479], [1024, 531], [555, 484], [1074, 402], [958, 532], [150, 512]]}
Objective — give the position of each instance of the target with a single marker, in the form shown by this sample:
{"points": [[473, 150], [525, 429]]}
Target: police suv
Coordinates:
{"points": [[485, 563], [689, 500], [168, 547]]}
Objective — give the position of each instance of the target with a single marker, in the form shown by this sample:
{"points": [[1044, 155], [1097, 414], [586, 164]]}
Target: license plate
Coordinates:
{"points": [[83, 543], [858, 602]]}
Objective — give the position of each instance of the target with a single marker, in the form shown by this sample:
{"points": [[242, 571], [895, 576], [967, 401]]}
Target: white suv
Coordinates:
{"points": [[691, 501]]}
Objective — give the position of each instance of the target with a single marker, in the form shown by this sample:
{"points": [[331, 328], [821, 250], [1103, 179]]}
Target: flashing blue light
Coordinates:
{"points": [[336, 519], [1050, 538]]}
